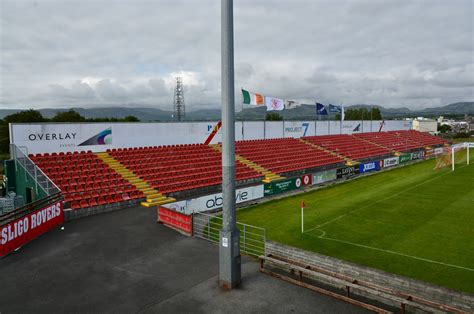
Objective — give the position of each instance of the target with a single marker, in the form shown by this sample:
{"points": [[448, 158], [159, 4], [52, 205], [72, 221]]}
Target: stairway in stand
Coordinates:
{"points": [[349, 162], [269, 176], [395, 153], [153, 197]]}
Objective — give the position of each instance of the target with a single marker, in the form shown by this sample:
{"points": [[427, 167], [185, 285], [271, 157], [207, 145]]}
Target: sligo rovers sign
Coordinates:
{"points": [[20, 231]]}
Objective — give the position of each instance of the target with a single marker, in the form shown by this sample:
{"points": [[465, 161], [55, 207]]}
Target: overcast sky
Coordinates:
{"points": [[99, 53]]}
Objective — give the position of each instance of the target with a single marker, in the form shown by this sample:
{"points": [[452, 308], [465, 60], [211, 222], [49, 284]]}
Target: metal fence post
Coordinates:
{"points": [[36, 181], [245, 236], [264, 241], [208, 227]]}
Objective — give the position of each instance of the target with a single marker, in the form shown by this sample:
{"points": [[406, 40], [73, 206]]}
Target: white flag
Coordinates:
{"points": [[342, 113], [291, 104], [274, 103]]}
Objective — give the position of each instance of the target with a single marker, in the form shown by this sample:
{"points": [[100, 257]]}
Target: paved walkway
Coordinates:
{"points": [[124, 262]]}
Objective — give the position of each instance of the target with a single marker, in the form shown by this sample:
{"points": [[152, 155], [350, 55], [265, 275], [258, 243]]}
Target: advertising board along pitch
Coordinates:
{"points": [[215, 201]]}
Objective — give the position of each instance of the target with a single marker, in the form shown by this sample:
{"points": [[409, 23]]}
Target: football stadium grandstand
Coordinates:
{"points": [[157, 174], [183, 181]]}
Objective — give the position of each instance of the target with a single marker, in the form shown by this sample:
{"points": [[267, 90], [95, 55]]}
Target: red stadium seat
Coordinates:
{"points": [[75, 205], [93, 202], [84, 203], [101, 200]]}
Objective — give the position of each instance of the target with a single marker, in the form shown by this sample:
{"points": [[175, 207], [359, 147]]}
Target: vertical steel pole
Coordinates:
{"points": [[229, 246]]}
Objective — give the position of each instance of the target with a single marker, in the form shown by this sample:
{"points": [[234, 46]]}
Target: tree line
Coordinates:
{"points": [[361, 114], [31, 116]]}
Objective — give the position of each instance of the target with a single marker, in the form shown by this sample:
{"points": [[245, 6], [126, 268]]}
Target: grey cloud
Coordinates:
{"points": [[78, 91], [393, 53]]}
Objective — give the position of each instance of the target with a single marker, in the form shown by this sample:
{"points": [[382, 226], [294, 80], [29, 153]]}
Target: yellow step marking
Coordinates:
{"points": [[348, 161], [153, 196], [269, 176], [379, 145]]}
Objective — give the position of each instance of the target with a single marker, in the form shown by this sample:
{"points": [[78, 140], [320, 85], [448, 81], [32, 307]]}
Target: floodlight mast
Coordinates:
{"points": [[229, 241]]}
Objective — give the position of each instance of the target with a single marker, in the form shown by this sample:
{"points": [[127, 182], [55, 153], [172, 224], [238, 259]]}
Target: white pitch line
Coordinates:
{"points": [[397, 253], [323, 235], [383, 199]]}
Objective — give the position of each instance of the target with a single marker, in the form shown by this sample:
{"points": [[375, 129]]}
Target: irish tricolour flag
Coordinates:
{"points": [[252, 99]]}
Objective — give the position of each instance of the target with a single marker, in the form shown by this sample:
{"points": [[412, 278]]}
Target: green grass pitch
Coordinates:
{"points": [[413, 221]]}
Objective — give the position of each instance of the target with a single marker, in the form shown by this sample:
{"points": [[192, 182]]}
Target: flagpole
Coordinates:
{"points": [[340, 122], [371, 109], [329, 124]]}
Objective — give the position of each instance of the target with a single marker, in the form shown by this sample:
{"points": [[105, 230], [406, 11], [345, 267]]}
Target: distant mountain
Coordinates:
{"points": [[307, 112], [456, 108], [304, 112]]}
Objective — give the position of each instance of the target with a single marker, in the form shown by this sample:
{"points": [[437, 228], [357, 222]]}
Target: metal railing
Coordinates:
{"points": [[28, 208], [41, 179], [252, 239]]}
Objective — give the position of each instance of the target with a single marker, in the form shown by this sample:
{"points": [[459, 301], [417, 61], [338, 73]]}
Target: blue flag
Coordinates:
{"points": [[321, 110], [335, 109]]}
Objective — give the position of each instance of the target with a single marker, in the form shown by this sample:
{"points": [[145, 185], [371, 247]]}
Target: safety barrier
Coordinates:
{"points": [[252, 238], [175, 220], [30, 221]]}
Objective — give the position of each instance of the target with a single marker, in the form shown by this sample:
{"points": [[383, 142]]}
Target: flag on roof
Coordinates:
{"points": [[274, 103], [252, 99], [321, 110]]}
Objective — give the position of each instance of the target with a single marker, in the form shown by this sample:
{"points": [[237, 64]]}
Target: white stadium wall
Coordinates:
{"points": [[67, 137], [253, 130], [273, 129]]}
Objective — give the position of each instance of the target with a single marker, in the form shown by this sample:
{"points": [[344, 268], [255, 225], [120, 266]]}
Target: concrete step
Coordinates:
{"points": [[165, 201], [142, 186], [155, 199], [155, 195], [135, 180]]}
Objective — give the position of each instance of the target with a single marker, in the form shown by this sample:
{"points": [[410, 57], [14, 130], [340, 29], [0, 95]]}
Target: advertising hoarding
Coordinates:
{"points": [[282, 186], [404, 158], [417, 155], [214, 201], [324, 176], [390, 162], [369, 166], [22, 230], [98, 137], [347, 172]]}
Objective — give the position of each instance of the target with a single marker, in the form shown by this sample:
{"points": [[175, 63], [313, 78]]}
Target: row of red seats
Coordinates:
{"points": [[284, 155], [425, 139], [76, 196], [83, 176], [82, 154], [171, 168], [146, 148], [170, 162], [348, 145], [159, 153], [125, 186], [391, 141], [92, 179], [101, 200]]}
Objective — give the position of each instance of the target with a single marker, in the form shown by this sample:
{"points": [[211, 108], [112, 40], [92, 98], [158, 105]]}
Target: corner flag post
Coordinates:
{"points": [[452, 158], [302, 216]]}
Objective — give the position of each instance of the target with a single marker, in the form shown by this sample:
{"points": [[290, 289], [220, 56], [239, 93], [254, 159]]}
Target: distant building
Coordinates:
{"points": [[425, 125]]}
